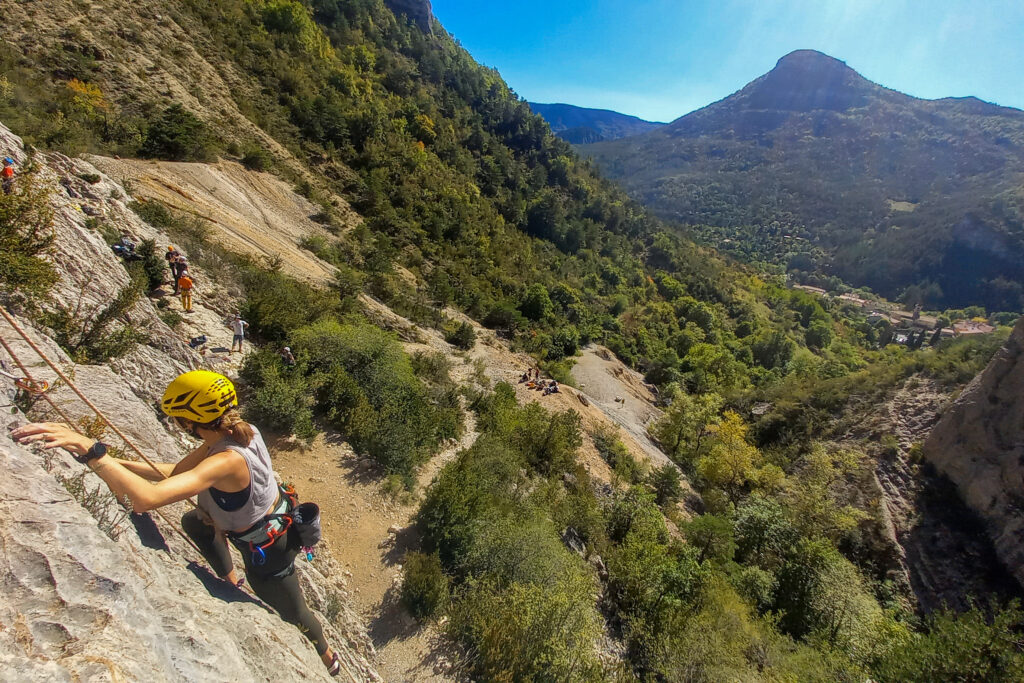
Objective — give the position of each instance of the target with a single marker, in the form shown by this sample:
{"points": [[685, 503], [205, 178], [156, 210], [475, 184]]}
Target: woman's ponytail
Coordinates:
{"points": [[239, 429]]}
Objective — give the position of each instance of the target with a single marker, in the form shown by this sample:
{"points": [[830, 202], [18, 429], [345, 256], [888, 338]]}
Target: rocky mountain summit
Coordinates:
{"points": [[91, 592], [979, 445]]}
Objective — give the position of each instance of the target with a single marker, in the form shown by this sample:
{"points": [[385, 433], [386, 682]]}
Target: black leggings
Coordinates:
{"points": [[284, 594]]}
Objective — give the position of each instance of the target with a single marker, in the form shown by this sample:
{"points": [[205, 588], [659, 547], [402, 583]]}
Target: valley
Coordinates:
{"points": [[814, 149]]}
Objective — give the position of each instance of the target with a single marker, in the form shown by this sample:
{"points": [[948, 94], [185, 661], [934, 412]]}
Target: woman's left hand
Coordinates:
{"points": [[53, 435]]}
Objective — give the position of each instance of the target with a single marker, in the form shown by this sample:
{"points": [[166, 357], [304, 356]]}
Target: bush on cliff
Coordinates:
{"points": [[26, 235]]}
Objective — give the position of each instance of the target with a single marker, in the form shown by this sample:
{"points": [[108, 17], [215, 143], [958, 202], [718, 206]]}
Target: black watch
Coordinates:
{"points": [[97, 450]]}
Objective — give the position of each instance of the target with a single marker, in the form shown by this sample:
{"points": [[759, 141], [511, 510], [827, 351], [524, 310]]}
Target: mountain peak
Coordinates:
{"points": [[810, 58], [804, 80]]}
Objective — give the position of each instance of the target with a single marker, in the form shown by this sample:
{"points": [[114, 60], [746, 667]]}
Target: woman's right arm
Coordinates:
{"points": [[167, 469], [145, 471]]}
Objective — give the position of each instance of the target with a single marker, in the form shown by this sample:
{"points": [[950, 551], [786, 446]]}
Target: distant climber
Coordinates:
{"points": [[551, 388], [238, 328], [232, 475], [525, 377], [287, 357], [7, 175], [185, 285]]}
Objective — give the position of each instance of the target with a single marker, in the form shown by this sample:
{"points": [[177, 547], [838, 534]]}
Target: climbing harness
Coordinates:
{"points": [[268, 530], [287, 515]]}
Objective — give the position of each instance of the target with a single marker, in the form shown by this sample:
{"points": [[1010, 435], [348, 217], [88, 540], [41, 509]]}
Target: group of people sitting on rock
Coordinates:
{"points": [[531, 378], [183, 282]]}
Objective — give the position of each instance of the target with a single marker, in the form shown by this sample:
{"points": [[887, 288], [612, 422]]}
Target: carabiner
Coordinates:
{"points": [[26, 384], [37, 386]]}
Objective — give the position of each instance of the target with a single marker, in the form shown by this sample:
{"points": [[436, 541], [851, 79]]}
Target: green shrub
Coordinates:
{"points": [[536, 303], [432, 366], [365, 385], [425, 586], [90, 336], [276, 304], [565, 341], [257, 159], [153, 264], [667, 484], [279, 398], [528, 632], [972, 646], [560, 370], [348, 283], [91, 178], [480, 481], [462, 336], [615, 453], [712, 537], [177, 135], [171, 318]]}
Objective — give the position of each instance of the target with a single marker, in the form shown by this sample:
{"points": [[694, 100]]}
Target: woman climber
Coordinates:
{"points": [[232, 476]]}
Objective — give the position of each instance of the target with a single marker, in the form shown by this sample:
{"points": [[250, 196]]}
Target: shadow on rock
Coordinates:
{"points": [[219, 588], [149, 533]]}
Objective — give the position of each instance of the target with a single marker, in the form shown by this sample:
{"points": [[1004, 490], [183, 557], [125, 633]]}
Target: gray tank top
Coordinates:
{"points": [[263, 485]]}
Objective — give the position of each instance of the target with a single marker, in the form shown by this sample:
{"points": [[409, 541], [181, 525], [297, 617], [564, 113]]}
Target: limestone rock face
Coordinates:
{"points": [[979, 445]]}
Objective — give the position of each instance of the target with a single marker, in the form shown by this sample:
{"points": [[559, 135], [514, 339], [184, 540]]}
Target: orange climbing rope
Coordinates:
{"points": [[28, 376]]}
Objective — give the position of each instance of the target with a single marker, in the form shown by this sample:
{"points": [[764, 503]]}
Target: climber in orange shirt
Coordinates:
{"points": [[185, 285]]}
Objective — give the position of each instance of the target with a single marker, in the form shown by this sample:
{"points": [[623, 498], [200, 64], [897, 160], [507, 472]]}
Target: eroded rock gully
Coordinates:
{"points": [[979, 445]]}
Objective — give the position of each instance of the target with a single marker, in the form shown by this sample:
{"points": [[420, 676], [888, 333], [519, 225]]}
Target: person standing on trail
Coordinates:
{"points": [[172, 256], [232, 475], [180, 265], [185, 284], [7, 175], [238, 328]]}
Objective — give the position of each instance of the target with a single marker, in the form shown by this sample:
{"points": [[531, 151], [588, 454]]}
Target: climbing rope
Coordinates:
{"points": [[28, 377]]}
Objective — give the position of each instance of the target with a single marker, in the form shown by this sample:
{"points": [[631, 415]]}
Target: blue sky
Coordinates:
{"points": [[660, 59]]}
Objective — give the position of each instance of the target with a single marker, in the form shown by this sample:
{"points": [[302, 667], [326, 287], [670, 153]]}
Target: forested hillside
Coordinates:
{"points": [[817, 168], [777, 567]]}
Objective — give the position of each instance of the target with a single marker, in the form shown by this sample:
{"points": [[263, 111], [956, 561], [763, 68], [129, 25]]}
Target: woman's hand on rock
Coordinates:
{"points": [[53, 435]]}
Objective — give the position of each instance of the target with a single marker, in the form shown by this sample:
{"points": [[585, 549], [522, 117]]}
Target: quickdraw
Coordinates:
{"points": [[32, 386]]}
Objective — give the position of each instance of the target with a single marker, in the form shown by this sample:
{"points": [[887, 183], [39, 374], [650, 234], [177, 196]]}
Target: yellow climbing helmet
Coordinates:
{"points": [[201, 396]]}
